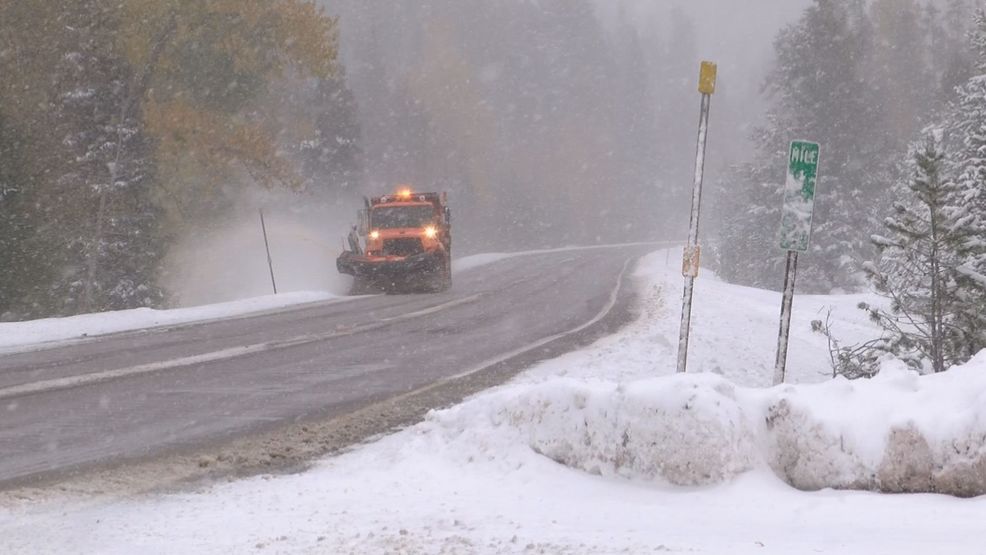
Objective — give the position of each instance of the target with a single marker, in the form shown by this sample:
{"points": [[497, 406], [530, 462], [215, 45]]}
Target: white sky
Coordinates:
{"points": [[736, 34]]}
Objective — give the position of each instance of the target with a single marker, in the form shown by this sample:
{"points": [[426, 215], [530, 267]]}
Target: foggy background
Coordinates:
{"points": [[738, 36], [547, 125], [588, 118]]}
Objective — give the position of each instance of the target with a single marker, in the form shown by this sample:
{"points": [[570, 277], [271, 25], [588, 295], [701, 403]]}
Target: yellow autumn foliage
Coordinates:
{"points": [[205, 139], [264, 36], [192, 135], [200, 152]]}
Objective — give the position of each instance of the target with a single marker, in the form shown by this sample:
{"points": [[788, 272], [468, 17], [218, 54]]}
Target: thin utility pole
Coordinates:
{"points": [[270, 262]]}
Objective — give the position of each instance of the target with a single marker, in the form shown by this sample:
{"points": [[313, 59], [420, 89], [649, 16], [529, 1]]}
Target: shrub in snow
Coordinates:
{"points": [[861, 360]]}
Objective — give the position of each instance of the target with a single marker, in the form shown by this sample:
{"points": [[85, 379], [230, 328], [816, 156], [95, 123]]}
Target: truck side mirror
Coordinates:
{"points": [[448, 216], [363, 227]]}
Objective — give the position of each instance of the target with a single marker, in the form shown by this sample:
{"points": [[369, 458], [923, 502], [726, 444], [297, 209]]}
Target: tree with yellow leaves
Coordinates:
{"points": [[205, 68]]}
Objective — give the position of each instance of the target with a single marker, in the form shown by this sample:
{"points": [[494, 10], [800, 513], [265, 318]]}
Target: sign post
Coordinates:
{"points": [[691, 257], [796, 221]]}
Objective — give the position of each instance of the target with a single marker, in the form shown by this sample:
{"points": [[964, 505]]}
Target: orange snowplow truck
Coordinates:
{"points": [[406, 244]]}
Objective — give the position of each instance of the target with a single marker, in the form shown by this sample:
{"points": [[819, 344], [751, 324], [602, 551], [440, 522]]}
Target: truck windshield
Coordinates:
{"points": [[392, 217]]}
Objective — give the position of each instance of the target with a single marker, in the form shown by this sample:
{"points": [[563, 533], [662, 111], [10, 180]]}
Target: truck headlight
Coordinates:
{"points": [[431, 232], [374, 234]]}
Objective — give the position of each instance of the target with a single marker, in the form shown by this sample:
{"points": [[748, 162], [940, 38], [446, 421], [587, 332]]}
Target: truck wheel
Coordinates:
{"points": [[446, 275], [361, 287], [441, 280]]}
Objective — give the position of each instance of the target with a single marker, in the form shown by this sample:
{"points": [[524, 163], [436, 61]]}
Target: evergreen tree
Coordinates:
{"points": [[101, 205], [20, 271], [898, 71], [967, 119], [331, 158], [81, 223], [817, 92], [951, 59], [935, 311]]}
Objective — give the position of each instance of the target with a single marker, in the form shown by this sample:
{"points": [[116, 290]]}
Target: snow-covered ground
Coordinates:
{"points": [[606, 451]]}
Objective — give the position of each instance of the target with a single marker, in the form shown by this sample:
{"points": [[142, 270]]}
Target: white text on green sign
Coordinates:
{"points": [[799, 196]]}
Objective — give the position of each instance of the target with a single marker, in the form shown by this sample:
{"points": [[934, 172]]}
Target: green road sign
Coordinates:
{"points": [[799, 196]]}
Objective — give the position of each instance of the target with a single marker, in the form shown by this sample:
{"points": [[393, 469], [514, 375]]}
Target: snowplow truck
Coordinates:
{"points": [[403, 242]]}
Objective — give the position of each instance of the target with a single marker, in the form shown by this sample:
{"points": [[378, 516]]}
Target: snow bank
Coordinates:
{"points": [[899, 432], [605, 410], [686, 432], [16, 335], [734, 332]]}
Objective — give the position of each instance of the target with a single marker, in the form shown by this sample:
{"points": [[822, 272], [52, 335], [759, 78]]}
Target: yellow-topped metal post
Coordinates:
{"points": [[692, 253]]}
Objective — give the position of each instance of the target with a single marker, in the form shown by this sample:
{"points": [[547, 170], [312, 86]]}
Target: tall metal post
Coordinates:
{"points": [[270, 262], [783, 336], [692, 253]]}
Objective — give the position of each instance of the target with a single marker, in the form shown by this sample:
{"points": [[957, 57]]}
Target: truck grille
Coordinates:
{"points": [[402, 247]]}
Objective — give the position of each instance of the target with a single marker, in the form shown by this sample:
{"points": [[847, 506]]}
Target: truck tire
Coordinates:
{"points": [[442, 280], [361, 286], [446, 275]]}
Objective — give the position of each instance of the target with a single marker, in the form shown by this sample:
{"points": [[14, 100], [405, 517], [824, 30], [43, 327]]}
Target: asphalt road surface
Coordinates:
{"points": [[135, 395]]}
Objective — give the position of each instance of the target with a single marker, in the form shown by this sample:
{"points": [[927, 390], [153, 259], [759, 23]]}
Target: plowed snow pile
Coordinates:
{"points": [[899, 432], [692, 431]]}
